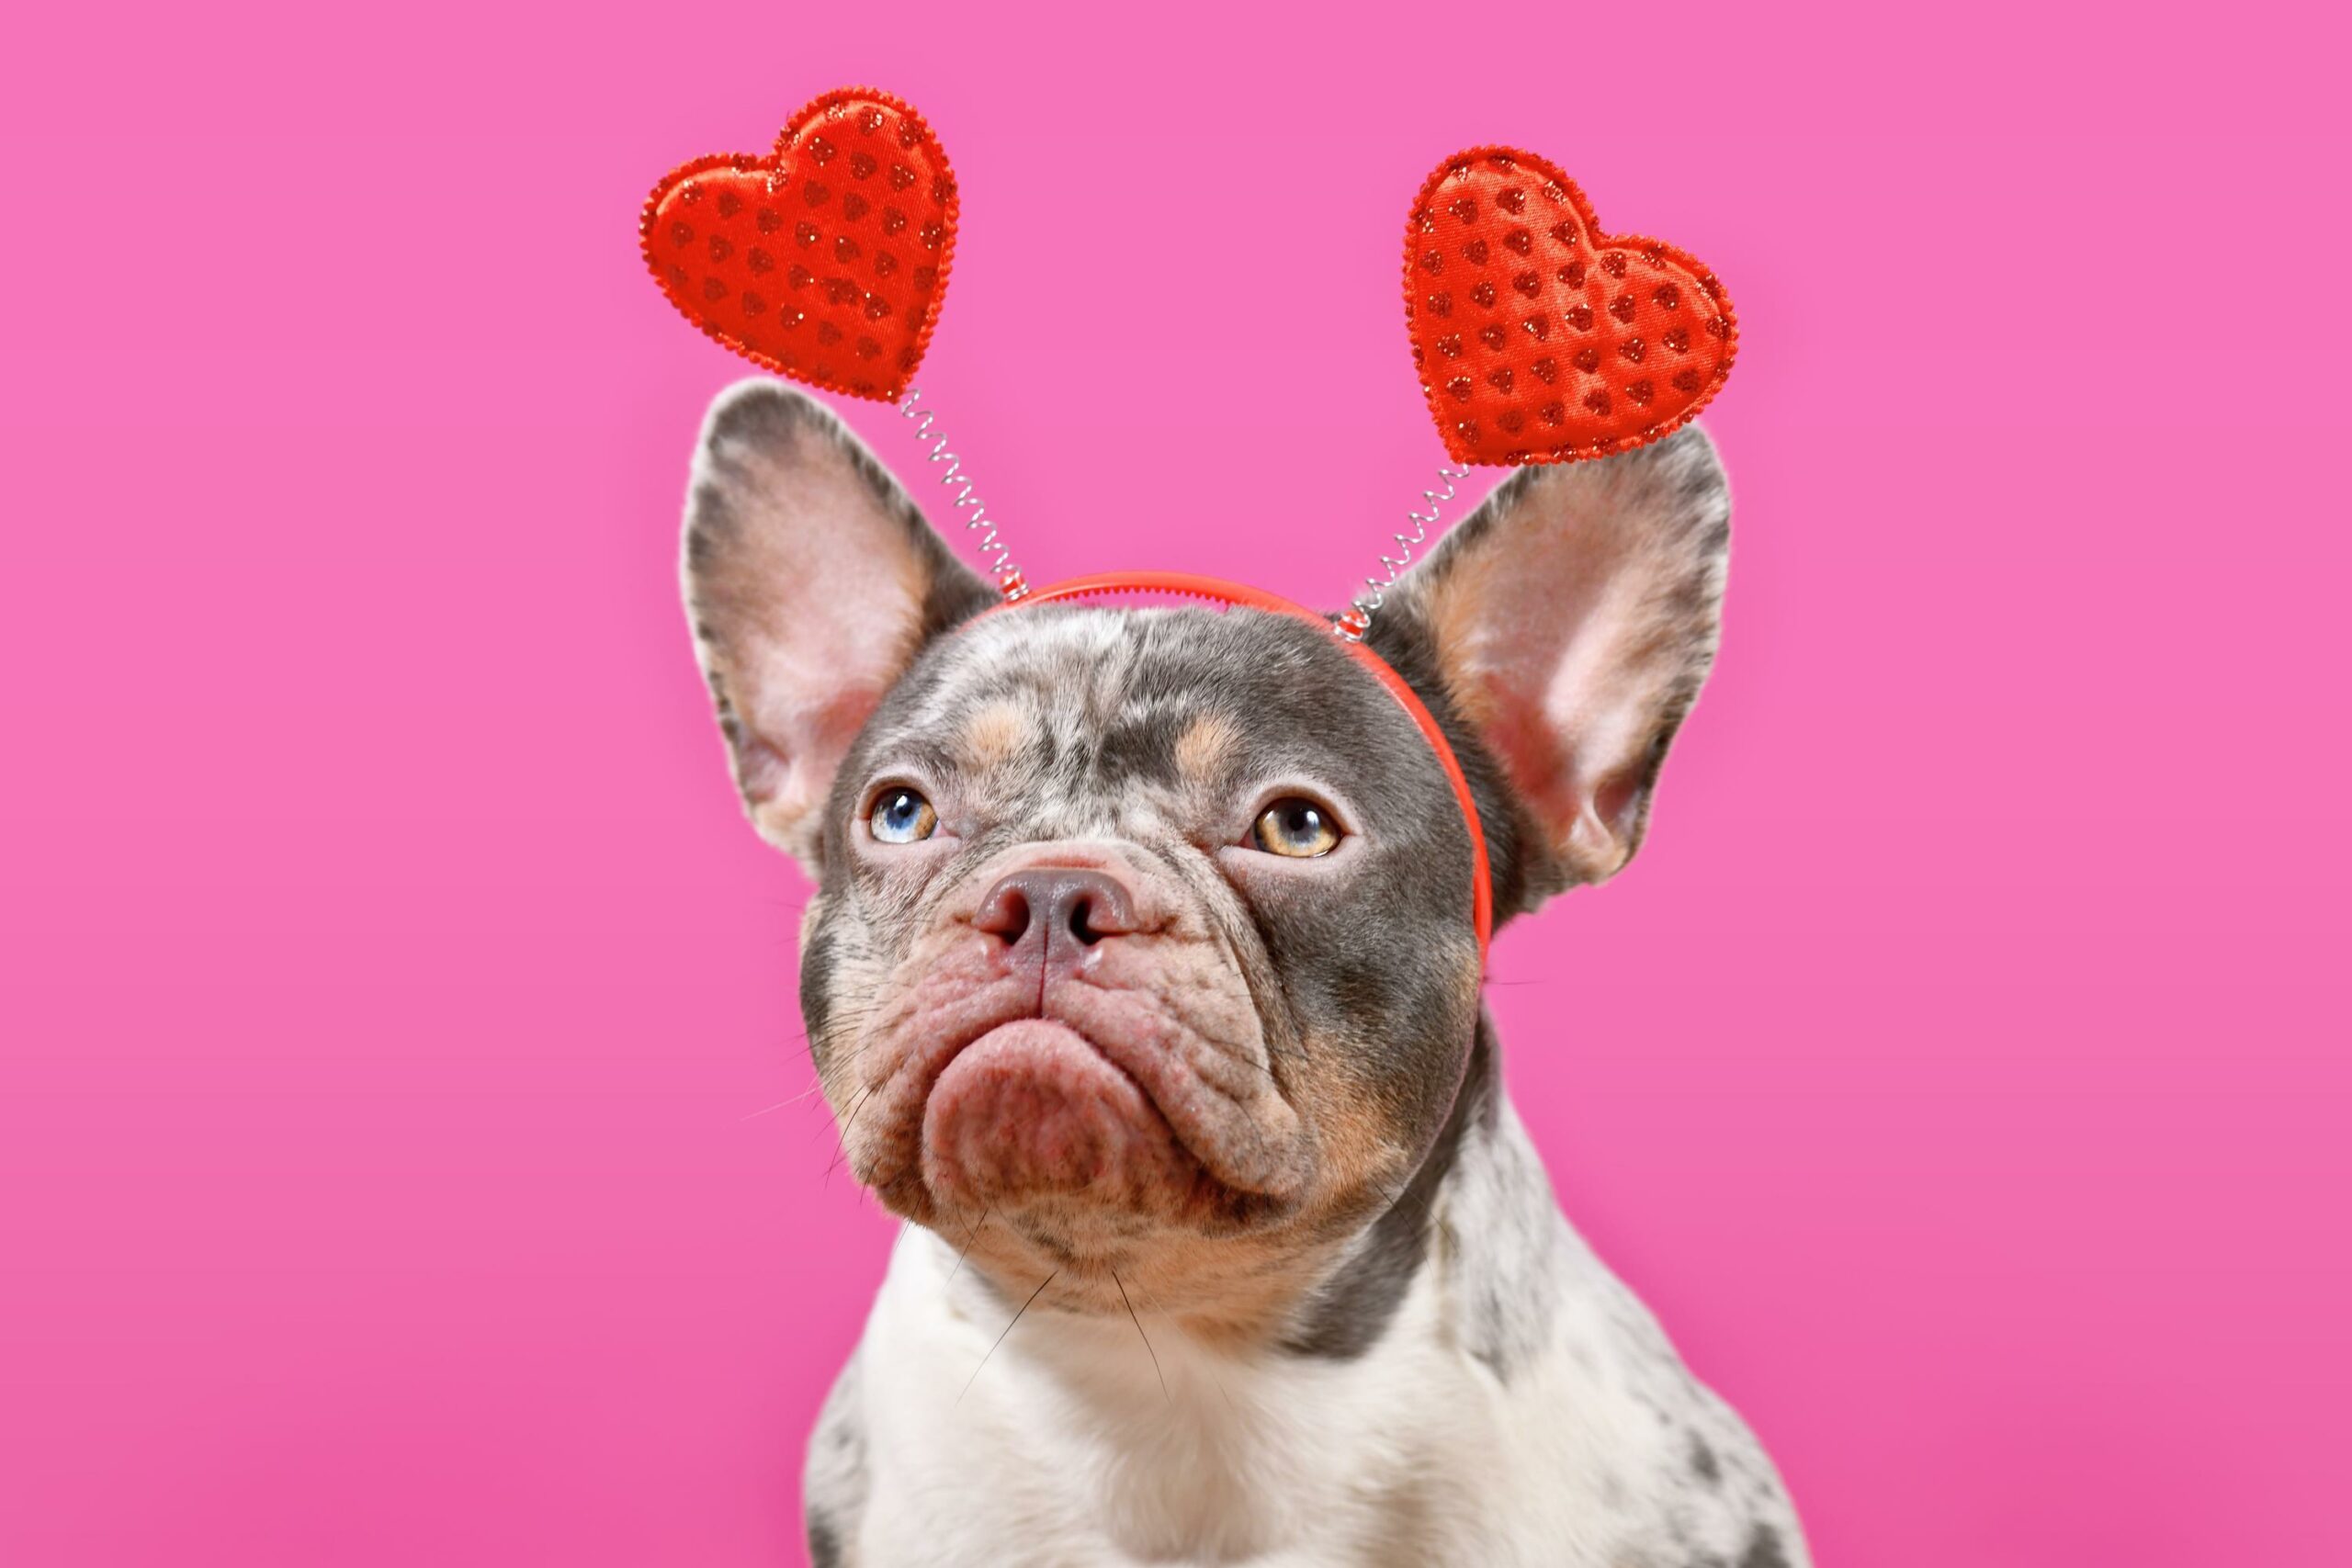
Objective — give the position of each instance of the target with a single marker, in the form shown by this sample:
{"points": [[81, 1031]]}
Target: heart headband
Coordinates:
{"points": [[825, 260], [1537, 338]]}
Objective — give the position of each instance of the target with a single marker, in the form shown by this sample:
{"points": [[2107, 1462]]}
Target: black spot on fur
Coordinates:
{"points": [[1131, 751], [817, 964], [1764, 1549], [1704, 1463], [834, 1486]]}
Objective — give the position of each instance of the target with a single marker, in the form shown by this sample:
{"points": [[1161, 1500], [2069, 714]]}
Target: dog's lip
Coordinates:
{"points": [[1126, 1064], [1060, 1026], [1031, 1021]]}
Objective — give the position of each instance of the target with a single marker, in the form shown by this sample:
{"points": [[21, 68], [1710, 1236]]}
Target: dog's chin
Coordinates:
{"points": [[1031, 1115]]}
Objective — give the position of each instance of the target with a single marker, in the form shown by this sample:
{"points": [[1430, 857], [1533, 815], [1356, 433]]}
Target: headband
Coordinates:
{"points": [[1536, 337]]}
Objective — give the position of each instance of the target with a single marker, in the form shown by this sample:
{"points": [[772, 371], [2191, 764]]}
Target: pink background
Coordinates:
{"points": [[399, 1153]]}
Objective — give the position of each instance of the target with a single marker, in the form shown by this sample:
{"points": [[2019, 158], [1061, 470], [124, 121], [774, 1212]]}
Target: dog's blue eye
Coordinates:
{"points": [[1296, 827], [901, 816]]}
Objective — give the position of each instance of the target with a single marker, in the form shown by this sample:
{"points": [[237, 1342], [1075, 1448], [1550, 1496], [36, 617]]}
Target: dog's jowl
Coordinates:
{"points": [[1143, 982]]}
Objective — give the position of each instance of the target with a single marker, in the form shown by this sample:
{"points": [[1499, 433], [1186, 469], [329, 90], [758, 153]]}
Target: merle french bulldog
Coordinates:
{"points": [[1142, 979]]}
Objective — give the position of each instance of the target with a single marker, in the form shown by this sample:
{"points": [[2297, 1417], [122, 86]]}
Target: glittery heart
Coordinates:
{"points": [[1538, 338], [825, 260]]}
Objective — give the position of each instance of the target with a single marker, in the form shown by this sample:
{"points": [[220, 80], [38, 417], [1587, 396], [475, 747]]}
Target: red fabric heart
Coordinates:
{"points": [[827, 259], [1538, 338]]}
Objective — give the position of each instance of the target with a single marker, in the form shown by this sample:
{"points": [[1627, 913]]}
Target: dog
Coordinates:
{"points": [[1142, 980]]}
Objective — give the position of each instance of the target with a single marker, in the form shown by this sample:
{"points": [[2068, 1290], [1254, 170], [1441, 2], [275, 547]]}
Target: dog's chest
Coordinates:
{"points": [[1086, 1445], [1520, 1407]]}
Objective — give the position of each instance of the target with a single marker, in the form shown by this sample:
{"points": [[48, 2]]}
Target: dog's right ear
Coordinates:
{"points": [[811, 583], [1572, 619]]}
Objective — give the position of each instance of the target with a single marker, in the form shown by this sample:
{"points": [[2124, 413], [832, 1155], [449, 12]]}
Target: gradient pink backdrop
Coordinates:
{"points": [[399, 1153]]}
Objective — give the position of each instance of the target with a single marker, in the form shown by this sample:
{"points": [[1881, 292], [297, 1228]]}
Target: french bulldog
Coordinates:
{"points": [[1142, 980]]}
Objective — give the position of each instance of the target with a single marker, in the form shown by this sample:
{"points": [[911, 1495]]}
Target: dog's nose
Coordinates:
{"points": [[1052, 905]]}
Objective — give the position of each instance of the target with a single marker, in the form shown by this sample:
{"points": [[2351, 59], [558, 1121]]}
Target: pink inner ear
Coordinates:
{"points": [[815, 593], [1616, 803], [1510, 711], [1558, 650], [759, 771], [793, 752]]}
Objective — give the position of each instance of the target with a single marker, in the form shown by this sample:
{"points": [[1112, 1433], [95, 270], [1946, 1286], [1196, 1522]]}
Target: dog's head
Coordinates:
{"points": [[1142, 949]]}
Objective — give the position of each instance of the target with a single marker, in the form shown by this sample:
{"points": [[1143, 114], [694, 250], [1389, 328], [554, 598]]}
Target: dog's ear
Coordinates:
{"points": [[811, 583], [1572, 619]]}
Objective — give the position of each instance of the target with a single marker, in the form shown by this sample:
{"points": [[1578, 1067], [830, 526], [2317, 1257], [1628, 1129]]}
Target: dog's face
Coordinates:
{"points": [[1142, 954]]}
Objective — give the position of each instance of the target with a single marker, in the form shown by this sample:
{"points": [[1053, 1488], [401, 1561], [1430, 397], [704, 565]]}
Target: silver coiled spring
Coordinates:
{"points": [[1358, 619], [996, 555]]}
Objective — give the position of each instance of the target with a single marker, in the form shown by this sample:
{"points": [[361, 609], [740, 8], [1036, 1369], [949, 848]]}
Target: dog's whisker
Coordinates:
{"points": [[1008, 1328], [971, 1237], [813, 1088], [1208, 1365], [849, 1125], [1425, 1203], [1147, 1350]]}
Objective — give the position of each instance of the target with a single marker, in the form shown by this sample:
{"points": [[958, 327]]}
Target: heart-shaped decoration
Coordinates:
{"points": [[825, 260], [1538, 338]]}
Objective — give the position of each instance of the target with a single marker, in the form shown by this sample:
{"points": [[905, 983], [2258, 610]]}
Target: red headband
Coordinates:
{"points": [[1217, 591], [1537, 338]]}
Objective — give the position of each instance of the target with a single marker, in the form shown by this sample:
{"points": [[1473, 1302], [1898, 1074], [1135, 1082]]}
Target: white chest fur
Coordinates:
{"points": [[1066, 1448], [1074, 1443]]}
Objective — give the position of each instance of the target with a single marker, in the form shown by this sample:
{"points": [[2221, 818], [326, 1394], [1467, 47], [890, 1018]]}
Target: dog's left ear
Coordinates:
{"points": [[1572, 619], [812, 583]]}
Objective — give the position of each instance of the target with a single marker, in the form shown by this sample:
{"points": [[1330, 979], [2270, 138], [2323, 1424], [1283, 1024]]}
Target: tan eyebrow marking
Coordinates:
{"points": [[994, 734], [1205, 747]]}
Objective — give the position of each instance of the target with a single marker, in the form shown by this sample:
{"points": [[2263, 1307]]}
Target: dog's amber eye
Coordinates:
{"points": [[900, 816], [1296, 827]]}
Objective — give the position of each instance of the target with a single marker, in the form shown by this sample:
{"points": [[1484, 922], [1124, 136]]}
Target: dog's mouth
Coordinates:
{"points": [[1127, 1089], [1090, 1100], [1032, 1110]]}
